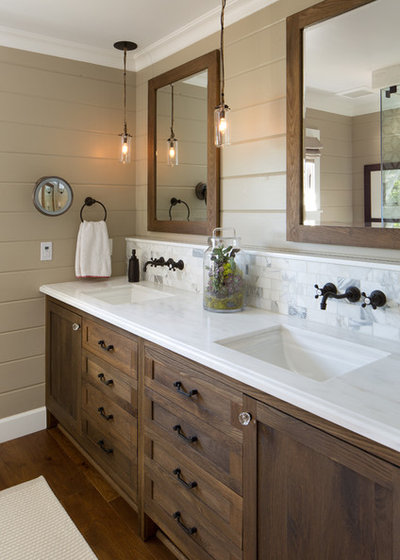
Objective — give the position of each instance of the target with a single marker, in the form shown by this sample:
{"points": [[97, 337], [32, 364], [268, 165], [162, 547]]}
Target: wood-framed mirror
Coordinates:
{"points": [[318, 108], [183, 196]]}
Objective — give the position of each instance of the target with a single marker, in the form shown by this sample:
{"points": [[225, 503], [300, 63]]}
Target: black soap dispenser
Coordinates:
{"points": [[133, 268]]}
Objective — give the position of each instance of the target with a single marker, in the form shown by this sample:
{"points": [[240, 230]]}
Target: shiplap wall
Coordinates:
{"points": [[190, 127], [57, 117], [253, 167], [336, 187]]}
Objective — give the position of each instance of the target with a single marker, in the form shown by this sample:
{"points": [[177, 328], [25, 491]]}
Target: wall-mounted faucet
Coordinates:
{"points": [[352, 294], [170, 263]]}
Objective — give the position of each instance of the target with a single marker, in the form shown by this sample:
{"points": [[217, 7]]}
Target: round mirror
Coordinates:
{"points": [[52, 196]]}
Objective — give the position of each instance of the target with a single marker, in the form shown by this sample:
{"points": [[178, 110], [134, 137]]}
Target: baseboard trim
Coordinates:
{"points": [[22, 424]]}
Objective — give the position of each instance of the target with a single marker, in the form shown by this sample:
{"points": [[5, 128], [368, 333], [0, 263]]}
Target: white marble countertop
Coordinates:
{"points": [[365, 400]]}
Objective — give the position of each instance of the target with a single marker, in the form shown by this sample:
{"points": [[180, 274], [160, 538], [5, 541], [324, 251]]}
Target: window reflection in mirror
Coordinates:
{"points": [[349, 64], [188, 106]]}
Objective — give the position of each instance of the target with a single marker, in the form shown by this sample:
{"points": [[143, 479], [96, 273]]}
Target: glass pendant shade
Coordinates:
{"points": [[126, 148], [126, 138], [221, 125], [172, 154]]}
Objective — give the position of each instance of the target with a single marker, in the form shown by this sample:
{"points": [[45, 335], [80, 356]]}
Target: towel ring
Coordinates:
{"points": [[174, 201], [89, 201]]}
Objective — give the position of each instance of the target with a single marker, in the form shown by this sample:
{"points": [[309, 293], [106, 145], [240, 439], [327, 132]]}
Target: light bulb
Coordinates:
{"points": [[125, 148], [222, 125], [172, 151]]}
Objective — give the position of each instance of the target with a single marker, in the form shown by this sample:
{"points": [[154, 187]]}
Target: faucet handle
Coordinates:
{"points": [[329, 287], [375, 299]]}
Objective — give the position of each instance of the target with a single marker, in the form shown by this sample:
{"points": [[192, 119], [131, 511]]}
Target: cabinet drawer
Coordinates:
{"points": [[211, 449], [109, 417], [116, 349], [111, 382], [197, 490], [181, 381], [115, 461], [192, 532]]}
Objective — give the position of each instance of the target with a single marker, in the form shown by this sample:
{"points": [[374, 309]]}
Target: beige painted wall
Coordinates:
{"points": [[336, 165], [56, 117], [253, 170], [190, 127], [253, 179]]}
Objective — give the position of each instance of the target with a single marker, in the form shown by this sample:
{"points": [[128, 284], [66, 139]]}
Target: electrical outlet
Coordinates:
{"points": [[46, 251]]}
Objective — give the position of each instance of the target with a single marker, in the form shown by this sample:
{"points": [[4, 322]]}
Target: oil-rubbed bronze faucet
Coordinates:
{"points": [[170, 263], [329, 290]]}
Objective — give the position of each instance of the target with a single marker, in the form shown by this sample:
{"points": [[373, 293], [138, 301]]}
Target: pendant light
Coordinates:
{"points": [[172, 142], [221, 113], [126, 138]]}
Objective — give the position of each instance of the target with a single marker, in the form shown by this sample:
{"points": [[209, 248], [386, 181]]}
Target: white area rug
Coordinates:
{"points": [[35, 526]]}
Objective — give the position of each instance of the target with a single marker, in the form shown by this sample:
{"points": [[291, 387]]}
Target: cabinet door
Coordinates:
{"points": [[63, 367], [310, 496]]}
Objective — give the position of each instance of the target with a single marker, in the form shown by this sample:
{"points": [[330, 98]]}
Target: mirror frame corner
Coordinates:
{"points": [[296, 230], [210, 62]]}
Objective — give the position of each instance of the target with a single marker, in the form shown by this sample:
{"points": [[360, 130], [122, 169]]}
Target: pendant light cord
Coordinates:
{"points": [[222, 54], [172, 112], [125, 125]]}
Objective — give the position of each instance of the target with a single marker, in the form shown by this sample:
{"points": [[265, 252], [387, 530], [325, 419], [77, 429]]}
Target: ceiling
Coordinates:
{"points": [[343, 54], [87, 29]]}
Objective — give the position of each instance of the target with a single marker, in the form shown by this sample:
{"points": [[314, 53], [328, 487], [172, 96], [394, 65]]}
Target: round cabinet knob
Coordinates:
{"points": [[245, 418], [75, 326]]}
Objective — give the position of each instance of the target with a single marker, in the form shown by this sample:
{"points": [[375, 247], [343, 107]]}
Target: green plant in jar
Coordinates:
{"points": [[225, 284]]}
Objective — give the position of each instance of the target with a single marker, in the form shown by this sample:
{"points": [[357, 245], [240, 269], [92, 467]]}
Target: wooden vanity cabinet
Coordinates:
{"points": [[63, 365], [192, 456], [285, 486], [91, 391], [109, 401], [309, 495]]}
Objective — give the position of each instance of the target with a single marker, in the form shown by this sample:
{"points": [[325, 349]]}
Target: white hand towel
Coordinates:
{"points": [[92, 257]]}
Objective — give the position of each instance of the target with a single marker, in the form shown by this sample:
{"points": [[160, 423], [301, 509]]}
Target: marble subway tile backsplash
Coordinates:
{"points": [[284, 283]]}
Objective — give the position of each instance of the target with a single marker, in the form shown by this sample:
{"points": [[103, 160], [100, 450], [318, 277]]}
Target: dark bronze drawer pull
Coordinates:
{"points": [[178, 429], [103, 414], [103, 379], [102, 446], [188, 530], [188, 485], [178, 386], [103, 345]]}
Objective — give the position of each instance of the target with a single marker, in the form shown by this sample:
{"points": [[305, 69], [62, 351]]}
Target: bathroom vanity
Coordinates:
{"points": [[229, 456]]}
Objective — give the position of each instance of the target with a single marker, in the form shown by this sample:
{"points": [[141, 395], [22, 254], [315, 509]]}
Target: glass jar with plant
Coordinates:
{"points": [[224, 271]]}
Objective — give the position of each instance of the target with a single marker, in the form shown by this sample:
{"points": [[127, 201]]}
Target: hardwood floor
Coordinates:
{"points": [[106, 521]]}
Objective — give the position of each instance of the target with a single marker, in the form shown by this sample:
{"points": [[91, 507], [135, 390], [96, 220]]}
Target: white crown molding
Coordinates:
{"points": [[43, 44], [196, 30], [183, 37]]}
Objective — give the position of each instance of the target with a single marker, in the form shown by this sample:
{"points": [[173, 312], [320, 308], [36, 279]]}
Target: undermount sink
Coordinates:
{"points": [[133, 294], [306, 353]]}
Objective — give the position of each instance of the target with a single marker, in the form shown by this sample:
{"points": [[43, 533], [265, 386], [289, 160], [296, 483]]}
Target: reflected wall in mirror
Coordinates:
{"points": [[52, 196], [186, 100], [183, 163], [343, 106]]}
